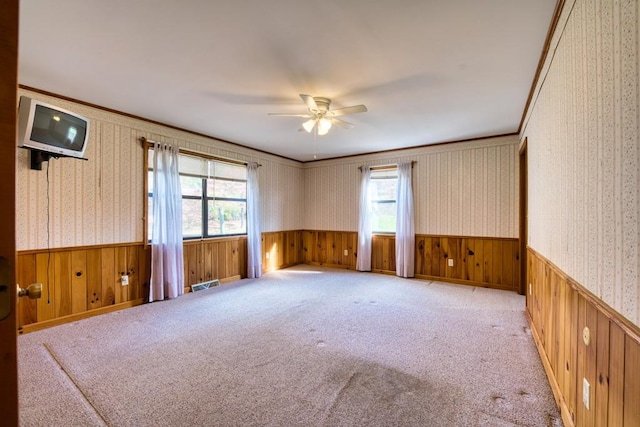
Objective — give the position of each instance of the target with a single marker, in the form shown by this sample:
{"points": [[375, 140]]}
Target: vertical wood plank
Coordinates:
{"points": [[420, 255], [631, 383], [108, 269], [94, 279], [207, 262], [62, 277], [507, 265], [496, 261], [144, 265], [467, 260], [616, 375], [572, 372], [445, 253], [487, 262], [121, 292], [78, 281], [133, 272], [602, 371], [478, 260], [436, 254]]}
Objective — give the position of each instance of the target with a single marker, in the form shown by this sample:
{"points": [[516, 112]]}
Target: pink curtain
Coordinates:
{"points": [[167, 263]]}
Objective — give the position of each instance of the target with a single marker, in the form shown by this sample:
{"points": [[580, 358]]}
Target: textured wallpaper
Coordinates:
{"points": [[466, 188], [100, 201], [584, 153]]}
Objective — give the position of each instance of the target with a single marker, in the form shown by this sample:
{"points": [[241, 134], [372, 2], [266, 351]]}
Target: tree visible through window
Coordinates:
{"points": [[214, 197], [383, 200]]}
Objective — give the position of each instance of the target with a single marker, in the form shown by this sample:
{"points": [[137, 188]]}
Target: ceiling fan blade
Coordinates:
{"points": [[310, 102], [290, 115], [349, 110], [342, 123]]}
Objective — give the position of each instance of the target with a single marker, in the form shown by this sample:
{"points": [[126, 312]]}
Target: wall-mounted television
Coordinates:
{"points": [[50, 129]]}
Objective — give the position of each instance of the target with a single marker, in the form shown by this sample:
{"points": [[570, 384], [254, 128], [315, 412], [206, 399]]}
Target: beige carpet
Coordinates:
{"points": [[303, 346]]}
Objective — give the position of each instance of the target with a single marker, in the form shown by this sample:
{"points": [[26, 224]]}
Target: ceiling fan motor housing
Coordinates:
{"points": [[322, 103]]}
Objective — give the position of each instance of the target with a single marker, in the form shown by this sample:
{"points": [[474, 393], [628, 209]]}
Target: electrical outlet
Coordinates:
{"points": [[346, 252], [124, 280], [450, 261], [586, 391], [267, 255]]}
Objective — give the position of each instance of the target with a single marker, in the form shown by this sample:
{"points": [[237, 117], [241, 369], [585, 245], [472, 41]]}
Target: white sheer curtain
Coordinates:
{"points": [[405, 227], [254, 237], [363, 262], [167, 263]]}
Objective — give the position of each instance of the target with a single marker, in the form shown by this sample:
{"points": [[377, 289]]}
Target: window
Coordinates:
{"points": [[383, 199], [214, 197]]}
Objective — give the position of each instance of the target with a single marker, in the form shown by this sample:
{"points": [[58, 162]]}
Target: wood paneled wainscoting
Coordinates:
{"points": [[580, 338], [224, 259], [81, 282], [478, 261], [490, 262], [281, 249]]}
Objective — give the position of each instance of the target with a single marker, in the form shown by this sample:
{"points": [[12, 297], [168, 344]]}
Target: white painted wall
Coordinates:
{"points": [[464, 189], [100, 201], [584, 153]]}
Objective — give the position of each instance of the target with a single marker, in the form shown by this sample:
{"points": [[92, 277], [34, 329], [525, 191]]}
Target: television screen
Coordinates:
{"points": [[54, 127], [50, 129]]}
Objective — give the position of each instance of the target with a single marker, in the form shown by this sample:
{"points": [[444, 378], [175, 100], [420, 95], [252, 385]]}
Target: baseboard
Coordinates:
{"points": [[79, 316], [465, 282], [555, 387]]}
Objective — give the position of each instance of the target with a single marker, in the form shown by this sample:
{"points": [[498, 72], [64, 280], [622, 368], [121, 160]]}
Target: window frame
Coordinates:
{"points": [[204, 197], [381, 169]]}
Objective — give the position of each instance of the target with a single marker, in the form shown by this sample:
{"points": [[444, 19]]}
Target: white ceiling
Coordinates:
{"points": [[429, 71]]}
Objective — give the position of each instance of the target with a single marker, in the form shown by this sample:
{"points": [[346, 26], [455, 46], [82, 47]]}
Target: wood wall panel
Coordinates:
{"points": [[284, 249], [77, 282], [497, 266], [559, 310], [221, 259]]}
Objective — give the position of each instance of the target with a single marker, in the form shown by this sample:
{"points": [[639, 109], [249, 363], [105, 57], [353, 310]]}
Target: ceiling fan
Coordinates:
{"points": [[321, 117]]}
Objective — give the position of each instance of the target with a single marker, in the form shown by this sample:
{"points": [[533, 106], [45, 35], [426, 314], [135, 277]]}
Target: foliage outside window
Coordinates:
{"points": [[214, 197], [383, 200]]}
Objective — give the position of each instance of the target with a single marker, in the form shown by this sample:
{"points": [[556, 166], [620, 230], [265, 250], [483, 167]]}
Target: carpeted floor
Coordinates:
{"points": [[302, 346]]}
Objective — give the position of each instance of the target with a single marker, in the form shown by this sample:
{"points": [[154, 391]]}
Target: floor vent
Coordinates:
{"points": [[204, 285]]}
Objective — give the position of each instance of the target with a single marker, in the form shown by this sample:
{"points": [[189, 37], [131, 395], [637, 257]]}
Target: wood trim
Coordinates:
{"points": [[77, 248], [132, 116], [626, 325], [79, 316], [148, 144], [543, 58], [416, 147], [9, 23], [110, 110], [523, 214], [555, 388]]}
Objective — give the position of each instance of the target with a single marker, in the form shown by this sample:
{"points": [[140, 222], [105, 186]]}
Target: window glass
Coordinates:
{"points": [[227, 217], [227, 189], [191, 217], [383, 200], [214, 197], [191, 186]]}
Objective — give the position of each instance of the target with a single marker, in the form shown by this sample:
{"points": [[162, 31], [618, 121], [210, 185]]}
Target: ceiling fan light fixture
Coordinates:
{"points": [[324, 125], [309, 124]]}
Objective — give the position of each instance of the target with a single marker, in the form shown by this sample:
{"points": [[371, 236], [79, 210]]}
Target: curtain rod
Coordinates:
{"points": [[149, 143], [383, 167]]}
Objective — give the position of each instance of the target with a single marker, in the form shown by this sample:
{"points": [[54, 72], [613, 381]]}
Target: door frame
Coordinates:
{"points": [[8, 126], [524, 216]]}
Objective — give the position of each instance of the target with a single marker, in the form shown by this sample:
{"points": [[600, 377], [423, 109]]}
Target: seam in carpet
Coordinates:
{"points": [[73, 381]]}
